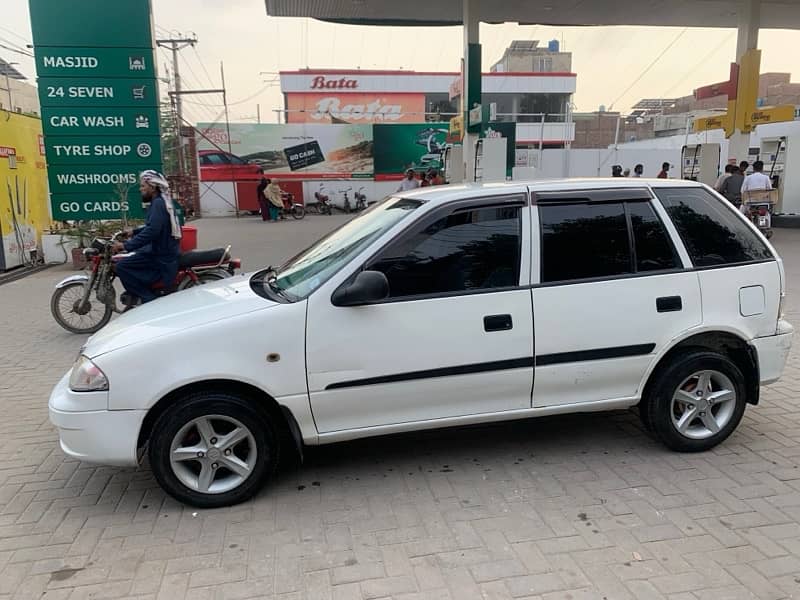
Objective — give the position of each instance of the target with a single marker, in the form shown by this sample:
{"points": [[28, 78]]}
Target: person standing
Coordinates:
{"points": [[638, 170], [731, 186], [664, 173], [743, 166], [409, 183], [616, 170], [263, 203], [757, 181], [721, 179], [274, 196]]}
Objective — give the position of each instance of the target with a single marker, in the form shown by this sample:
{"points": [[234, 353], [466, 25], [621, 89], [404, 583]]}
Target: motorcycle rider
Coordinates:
{"points": [[157, 244]]}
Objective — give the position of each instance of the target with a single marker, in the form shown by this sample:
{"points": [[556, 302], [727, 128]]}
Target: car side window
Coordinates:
{"points": [[652, 246], [216, 159], [711, 232], [469, 249], [584, 240]]}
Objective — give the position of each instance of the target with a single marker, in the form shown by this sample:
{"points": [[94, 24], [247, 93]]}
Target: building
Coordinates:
{"points": [[543, 89], [15, 94]]}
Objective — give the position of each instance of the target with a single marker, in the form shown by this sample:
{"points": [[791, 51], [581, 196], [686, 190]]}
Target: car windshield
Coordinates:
{"points": [[304, 273]]}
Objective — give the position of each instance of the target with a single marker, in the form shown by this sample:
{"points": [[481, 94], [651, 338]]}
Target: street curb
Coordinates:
{"points": [[786, 221], [21, 273]]}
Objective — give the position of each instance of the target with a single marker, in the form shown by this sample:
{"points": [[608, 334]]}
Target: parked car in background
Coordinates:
{"points": [[443, 306], [216, 165]]}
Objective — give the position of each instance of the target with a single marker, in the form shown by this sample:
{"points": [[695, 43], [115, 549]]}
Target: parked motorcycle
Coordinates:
{"points": [[72, 305], [361, 199], [322, 205]]}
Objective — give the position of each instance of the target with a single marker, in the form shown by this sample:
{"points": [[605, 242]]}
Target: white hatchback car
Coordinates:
{"points": [[439, 307]]}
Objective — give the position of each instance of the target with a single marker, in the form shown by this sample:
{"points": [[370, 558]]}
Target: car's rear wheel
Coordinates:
{"points": [[696, 402], [212, 449]]}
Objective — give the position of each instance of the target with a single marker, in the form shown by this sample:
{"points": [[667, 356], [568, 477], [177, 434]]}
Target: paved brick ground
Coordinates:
{"points": [[568, 508]]}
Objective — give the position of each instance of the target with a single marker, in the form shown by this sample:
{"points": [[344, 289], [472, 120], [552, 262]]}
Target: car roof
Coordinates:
{"points": [[463, 191]]}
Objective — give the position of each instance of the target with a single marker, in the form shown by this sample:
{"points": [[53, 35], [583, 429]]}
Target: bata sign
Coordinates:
{"points": [[320, 83], [355, 108]]}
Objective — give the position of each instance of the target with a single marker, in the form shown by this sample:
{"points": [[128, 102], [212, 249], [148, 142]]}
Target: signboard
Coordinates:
{"points": [[59, 121], [304, 155], [88, 62], [84, 150], [771, 114], [343, 108], [475, 115], [709, 123], [457, 128], [98, 92], [418, 146], [296, 151]]}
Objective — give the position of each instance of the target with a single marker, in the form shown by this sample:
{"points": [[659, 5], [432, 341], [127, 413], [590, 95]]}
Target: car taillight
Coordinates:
{"points": [[762, 211], [235, 263]]}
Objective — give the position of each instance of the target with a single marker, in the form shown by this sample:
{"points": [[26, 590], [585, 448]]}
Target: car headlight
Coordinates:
{"points": [[87, 377]]}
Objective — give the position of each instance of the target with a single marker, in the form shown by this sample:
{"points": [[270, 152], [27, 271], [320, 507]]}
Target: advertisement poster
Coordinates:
{"points": [[418, 146], [354, 108], [291, 151], [23, 188]]}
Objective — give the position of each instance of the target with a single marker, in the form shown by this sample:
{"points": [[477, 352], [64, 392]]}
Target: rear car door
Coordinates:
{"points": [[610, 291]]}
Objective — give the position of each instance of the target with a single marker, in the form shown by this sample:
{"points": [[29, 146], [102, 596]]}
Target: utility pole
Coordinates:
{"points": [[176, 44]]}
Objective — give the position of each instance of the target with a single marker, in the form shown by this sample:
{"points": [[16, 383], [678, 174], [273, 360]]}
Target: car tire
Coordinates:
{"points": [[193, 462], [695, 402]]}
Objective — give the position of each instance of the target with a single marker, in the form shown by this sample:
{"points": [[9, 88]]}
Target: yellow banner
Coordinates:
{"points": [[457, 127], [709, 123], [24, 203], [771, 114]]}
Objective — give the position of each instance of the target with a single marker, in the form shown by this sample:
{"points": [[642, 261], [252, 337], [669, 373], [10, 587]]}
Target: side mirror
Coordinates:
{"points": [[368, 287]]}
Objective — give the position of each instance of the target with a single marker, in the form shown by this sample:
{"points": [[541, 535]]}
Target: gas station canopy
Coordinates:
{"points": [[775, 14]]}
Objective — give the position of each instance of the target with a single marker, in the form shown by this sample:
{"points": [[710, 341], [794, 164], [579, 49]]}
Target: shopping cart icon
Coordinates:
{"points": [[138, 92]]}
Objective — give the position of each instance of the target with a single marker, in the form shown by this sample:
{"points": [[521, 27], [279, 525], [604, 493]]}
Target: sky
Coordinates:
{"points": [[616, 66]]}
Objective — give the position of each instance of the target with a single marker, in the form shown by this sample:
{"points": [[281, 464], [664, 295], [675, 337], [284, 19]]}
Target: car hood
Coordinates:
{"points": [[183, 310]]}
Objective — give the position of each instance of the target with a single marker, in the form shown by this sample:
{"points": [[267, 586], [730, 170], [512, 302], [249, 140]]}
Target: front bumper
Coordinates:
{"points": [[96, 435], [772, 352]]}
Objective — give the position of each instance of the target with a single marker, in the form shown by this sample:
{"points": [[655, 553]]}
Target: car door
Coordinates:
{"points": [[611, 290], [455, 335]]}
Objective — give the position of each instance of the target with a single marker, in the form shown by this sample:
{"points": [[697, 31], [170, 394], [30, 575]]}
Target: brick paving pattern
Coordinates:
{"points": [[574, 507]]}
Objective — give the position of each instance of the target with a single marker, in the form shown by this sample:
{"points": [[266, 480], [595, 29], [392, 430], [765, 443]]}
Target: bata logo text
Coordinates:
{"points": [[320, 83]]}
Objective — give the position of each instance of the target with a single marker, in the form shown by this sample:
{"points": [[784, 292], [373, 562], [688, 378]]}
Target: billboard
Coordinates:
{"points": [[417, 146], [354, 108], [99, 99], [295, 151], [23, 188]]}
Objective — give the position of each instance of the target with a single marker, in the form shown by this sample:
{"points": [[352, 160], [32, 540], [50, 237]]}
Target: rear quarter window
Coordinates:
{"points": [[710, 229]]}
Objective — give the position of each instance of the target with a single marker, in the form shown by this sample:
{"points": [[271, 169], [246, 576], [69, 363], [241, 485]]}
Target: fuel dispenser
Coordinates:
{"points": [[701, 162], [453, 160], [490, 159], [781, 158]]}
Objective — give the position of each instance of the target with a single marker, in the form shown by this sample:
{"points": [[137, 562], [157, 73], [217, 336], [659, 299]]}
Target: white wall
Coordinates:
{"points": [[598, 162], [217, 199]]}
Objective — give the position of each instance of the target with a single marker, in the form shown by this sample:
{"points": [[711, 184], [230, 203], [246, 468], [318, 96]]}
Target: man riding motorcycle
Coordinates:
{"points": [[156, 245]]}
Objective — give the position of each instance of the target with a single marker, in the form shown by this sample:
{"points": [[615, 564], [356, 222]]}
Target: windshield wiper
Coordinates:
{"points": [[271, 280]]}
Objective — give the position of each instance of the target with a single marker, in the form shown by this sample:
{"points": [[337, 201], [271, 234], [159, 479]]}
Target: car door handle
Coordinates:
{"points": [[497, 323], [669, 304]]}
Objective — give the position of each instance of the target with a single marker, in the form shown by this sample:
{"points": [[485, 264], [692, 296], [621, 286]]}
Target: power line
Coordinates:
{"points": [[650, 66], [15, 34], [202, 64], [700, 62], [17, 50]]}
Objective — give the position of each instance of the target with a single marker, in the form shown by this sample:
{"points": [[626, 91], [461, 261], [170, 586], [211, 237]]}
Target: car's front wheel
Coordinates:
{"points": [[212, 449], [696, 402]]}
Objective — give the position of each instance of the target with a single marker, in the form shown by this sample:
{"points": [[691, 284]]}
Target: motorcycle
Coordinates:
{"points": [[361, 199], [323, 203], [757, 206], [290, 207], [71, 303]]}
